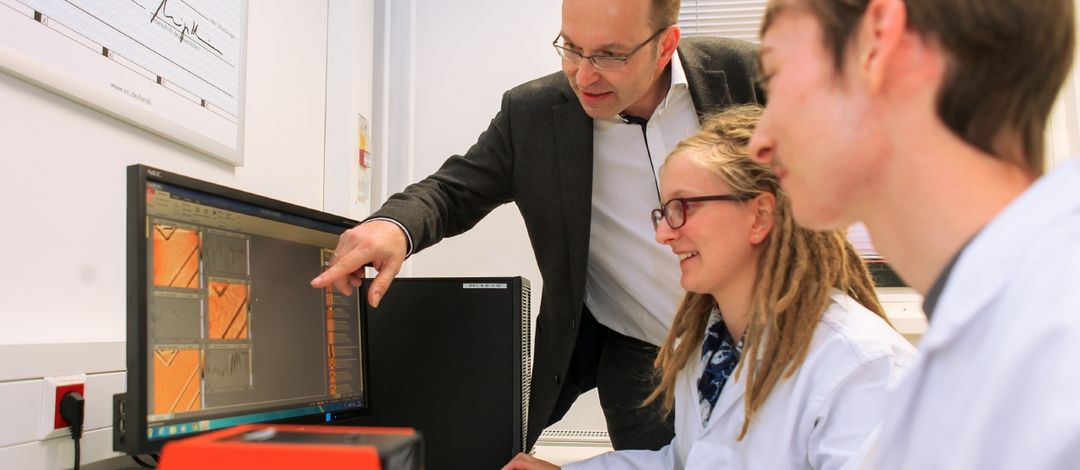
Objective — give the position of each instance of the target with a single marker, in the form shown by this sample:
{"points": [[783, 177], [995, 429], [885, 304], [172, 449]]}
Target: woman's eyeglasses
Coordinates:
{"points": [[674, 211]]}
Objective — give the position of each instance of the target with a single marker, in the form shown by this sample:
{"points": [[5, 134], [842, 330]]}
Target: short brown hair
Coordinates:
{"points": [[664, 13], [1007, 61]]}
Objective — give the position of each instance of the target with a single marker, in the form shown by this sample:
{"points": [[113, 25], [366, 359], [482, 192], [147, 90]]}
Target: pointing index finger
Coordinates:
{"points": [[340, 268]]}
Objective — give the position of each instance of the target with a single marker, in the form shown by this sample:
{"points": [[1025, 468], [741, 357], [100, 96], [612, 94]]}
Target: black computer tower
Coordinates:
{"points": [[451, 357]]}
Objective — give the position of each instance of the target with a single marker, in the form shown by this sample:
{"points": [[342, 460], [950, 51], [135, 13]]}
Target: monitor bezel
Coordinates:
{"points": [[136, 401]]}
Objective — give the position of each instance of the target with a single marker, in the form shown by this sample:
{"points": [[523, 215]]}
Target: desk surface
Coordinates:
{"points": [[122, 462], [563, 454]]}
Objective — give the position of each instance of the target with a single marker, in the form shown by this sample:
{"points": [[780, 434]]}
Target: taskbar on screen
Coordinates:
{"points": [[328, 410]]}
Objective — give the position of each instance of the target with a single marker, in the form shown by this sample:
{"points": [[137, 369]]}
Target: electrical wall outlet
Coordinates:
{"points": [[52, 390]]}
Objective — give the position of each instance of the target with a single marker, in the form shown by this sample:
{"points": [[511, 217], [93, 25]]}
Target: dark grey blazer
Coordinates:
{"points": [[538, 153]]}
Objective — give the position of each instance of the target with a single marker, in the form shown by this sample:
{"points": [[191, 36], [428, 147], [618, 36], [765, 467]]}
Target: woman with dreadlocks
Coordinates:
{"points": [[779, 355]]}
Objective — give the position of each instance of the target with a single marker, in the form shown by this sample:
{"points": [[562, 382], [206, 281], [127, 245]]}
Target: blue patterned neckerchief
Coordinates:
{"points": [[719, 356]]}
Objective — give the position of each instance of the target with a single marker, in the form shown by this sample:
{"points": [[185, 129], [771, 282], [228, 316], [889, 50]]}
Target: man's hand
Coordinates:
{"points": [[377, 243]]}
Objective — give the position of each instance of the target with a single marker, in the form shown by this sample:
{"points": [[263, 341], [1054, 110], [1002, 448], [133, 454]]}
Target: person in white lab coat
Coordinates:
{"points": [[800, 302], [928, 124]]}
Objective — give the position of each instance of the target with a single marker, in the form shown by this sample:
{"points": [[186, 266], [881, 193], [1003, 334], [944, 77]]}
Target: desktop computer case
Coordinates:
{"points": [[451, 357]]}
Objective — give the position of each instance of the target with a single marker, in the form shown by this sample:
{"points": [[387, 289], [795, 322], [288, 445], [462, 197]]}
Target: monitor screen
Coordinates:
{"points": [[223, 325]]}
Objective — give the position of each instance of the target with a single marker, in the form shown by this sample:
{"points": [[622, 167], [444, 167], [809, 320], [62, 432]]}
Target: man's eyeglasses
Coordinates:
{"points": [[600, 61], [674, 211]]}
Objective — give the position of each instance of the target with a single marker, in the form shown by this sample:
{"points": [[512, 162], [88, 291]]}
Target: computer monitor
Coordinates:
{"points": [[223, 327]]}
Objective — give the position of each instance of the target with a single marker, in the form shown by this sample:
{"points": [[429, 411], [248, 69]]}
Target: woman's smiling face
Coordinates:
{"points": [[718, 242]]}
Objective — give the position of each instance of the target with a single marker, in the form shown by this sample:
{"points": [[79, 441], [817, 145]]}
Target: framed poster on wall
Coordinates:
{"points": [[172, 67]]}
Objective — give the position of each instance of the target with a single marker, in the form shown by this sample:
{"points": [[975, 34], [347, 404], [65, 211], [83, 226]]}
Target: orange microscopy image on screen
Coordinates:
{"points": [[176, 257], [177, 380], [228, 310], [331, 357]]}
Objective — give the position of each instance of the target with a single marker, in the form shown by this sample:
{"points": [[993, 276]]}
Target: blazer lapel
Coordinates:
{"points": [[574, 146]]}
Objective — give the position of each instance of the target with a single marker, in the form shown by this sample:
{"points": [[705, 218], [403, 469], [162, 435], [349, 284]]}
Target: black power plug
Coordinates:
{"points": [[72, 408]]}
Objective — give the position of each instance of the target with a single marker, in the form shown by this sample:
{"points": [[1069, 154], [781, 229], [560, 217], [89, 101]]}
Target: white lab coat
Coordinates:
{"points": [[997, 385], [814, 420]]}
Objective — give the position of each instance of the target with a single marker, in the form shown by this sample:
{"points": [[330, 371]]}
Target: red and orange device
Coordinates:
{"points": [[280, 446]]}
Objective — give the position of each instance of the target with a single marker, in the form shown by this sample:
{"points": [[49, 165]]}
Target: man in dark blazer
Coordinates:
{"points": [[539, 152]]}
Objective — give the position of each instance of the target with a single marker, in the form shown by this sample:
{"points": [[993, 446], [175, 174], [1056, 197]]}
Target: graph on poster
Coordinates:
{"points": [[173, 67]]}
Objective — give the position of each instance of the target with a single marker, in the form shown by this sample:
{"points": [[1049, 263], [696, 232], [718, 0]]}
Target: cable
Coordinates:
{"points": [[72, 407], [644, 123]]}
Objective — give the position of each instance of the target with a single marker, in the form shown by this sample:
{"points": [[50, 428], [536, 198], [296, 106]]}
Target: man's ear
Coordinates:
{"points": [[668, 42], [880, 32], [763, 208]]}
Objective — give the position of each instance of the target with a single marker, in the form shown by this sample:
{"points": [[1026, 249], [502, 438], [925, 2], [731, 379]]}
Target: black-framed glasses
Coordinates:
{"points": [[674, 211], [600, 61]]}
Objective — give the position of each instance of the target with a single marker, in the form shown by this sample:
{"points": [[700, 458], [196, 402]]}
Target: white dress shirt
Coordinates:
{"points": [[632, 285]]}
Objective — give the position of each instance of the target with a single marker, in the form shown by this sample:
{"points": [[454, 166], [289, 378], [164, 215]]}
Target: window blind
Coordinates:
{"points": [[738, 19]]}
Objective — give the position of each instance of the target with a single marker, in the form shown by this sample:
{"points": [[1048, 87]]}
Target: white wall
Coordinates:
{"points": [[464, 58], [349, 49], [62, 180]]}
